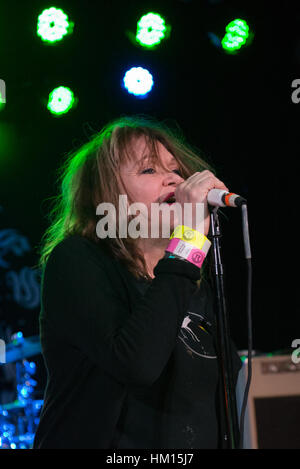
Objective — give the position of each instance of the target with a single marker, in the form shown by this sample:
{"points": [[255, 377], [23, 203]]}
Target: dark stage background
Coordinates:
{"points": [[233, 107]]}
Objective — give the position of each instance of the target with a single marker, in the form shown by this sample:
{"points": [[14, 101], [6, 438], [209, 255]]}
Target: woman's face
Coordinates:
{"points": [[150, 183]]}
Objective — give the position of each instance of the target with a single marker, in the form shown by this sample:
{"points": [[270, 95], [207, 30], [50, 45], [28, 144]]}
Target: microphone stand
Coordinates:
{"points": [[223, 337]]}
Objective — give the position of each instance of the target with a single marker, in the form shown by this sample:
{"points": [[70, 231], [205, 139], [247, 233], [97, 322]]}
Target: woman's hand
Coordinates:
{"points": [[194, 190]]}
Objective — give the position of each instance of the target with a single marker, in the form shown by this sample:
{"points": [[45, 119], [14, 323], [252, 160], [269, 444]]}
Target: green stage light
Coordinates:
{"points": [[61, 100], [151, 29], [237, 33], [53, 25]]}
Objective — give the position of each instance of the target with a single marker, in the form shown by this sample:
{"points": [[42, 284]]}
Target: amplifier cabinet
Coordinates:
{"points": [[272, 416]]}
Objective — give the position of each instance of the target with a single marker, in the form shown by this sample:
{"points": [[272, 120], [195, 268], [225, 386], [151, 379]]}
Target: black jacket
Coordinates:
{"points": [[131, 364]]}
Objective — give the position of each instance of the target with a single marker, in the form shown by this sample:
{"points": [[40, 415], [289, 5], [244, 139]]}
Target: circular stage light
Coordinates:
{"points": [[237, 33], [61, 99], [138, 81], [53, 25], [151, 29]]}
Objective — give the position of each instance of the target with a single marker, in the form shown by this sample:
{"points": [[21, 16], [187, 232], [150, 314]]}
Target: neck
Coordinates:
{"points": [[153, 250]]}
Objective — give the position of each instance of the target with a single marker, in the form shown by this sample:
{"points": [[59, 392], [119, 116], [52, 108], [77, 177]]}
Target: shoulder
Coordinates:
{"points": [[79, 250], [77, 261]]}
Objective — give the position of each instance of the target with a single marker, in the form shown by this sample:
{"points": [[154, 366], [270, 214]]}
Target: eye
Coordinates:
{"points": [[177, 171], [151, 171], [148, 171]]}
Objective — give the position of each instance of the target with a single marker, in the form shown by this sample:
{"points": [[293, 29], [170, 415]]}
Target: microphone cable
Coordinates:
{"points": [[249, 319]]}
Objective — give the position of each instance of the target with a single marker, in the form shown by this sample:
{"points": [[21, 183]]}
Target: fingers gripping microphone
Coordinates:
{"points": [[221, 198]]}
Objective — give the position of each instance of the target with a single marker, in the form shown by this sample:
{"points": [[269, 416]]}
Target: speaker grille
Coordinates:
{"points": [[277, 422]]}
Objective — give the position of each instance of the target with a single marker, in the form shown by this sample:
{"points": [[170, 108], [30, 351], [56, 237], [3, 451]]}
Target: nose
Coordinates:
{"points": [[171, 178]]}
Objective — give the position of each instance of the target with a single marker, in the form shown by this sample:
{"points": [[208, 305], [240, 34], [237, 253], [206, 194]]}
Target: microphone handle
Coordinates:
{"points": [[221, 198]]}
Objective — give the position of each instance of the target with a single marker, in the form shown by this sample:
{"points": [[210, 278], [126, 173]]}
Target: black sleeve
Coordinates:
{"points": [[83, 307]]}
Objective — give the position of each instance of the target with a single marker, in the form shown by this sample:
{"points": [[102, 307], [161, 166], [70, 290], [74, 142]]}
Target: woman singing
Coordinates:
{"points": [[127, 323]]}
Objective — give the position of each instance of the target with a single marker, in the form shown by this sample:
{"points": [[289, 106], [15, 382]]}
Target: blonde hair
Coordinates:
{"points": [[89, 176]]}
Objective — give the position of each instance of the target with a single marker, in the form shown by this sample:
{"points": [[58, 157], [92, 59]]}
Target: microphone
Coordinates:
{"points": [[221, 198]]}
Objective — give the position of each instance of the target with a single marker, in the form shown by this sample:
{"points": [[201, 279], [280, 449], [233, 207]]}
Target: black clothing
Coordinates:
{"points": [[130, 363]]}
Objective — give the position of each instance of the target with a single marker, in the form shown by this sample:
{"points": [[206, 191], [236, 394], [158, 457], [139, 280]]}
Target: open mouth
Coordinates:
{"points": [[169, 199]]}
